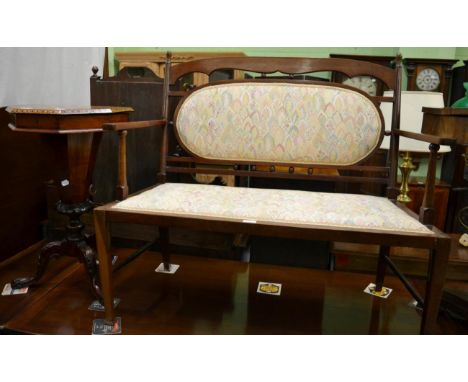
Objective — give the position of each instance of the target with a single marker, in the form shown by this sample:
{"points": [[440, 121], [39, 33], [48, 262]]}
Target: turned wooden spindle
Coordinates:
{"points": [[122, 187], [392, 159], [161, 177], [426, 212]]}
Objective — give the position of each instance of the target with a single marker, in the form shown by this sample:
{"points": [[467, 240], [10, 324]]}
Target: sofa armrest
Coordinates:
{"points": [[119, 126], [426, 138]]}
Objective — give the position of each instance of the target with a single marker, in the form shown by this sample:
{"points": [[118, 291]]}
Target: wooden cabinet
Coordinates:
{"points": [[144, 95], [452, 123], [155, 62], [441, 198]]}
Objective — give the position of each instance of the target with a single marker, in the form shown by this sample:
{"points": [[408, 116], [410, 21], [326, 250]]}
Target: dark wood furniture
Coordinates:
{"points": [[74, 134], [26, 161], [387, 61], [451, 123], [142, 90], [435, 241], [443, 67]]}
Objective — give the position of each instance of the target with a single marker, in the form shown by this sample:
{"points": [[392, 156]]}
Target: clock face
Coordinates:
{"points": [[428, 79], [365, 83]]}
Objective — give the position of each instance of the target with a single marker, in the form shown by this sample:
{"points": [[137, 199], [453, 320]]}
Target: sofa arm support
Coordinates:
{"points": [[426, 212], [122, 185], [121, 129]]}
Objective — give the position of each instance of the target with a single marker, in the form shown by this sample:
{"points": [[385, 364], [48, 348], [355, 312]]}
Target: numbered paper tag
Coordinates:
{"points": [[9, 291], [172, 268], [269, 288], [384, 293], [101, 326]]}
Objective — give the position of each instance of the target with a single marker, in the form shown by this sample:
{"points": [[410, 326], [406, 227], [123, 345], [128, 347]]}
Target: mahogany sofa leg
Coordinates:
{"points": [[381, 267], [105, 262], [164, 245], [435, 281]]}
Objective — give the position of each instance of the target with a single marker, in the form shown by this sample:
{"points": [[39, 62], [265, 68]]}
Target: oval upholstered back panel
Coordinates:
{"points": [[292, 123]]}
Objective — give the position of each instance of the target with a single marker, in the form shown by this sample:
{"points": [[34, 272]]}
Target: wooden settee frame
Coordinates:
{"points": [[438, 244]]}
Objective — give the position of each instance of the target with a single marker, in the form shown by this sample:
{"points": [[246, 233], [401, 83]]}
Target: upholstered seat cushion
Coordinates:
{"points": [[288, 207]]}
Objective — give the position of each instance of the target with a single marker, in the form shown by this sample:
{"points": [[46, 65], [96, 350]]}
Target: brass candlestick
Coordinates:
{"points": [[406, 167]]}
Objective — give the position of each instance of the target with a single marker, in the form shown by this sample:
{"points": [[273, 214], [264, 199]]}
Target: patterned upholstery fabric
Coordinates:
{"points": [[279, 122], [361, 212]]}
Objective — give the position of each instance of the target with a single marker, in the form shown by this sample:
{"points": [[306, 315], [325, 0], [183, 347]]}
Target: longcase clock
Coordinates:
{"points": [[432, 75], [370, 85]]}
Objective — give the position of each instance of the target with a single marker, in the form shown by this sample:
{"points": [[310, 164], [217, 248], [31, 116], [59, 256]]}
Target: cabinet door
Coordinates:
{"points": [[441, 197]]}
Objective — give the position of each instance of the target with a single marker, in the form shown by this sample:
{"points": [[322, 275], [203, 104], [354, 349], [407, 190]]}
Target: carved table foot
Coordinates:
{"points": [[76, 243], [50, 250], [87, 255], [79, 249]]}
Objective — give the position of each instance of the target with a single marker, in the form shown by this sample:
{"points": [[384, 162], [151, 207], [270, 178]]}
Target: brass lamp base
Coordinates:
{"points": [[404, 198], [406, 167]]}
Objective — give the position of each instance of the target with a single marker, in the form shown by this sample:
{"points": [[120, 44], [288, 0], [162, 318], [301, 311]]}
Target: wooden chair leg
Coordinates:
{"points": [[435, 281], [375, 316], [105, 263], [381, 267], [164, 245]]}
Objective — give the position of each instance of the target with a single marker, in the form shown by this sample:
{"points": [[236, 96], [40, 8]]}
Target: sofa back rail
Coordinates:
{"points": [[286, 65]]}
